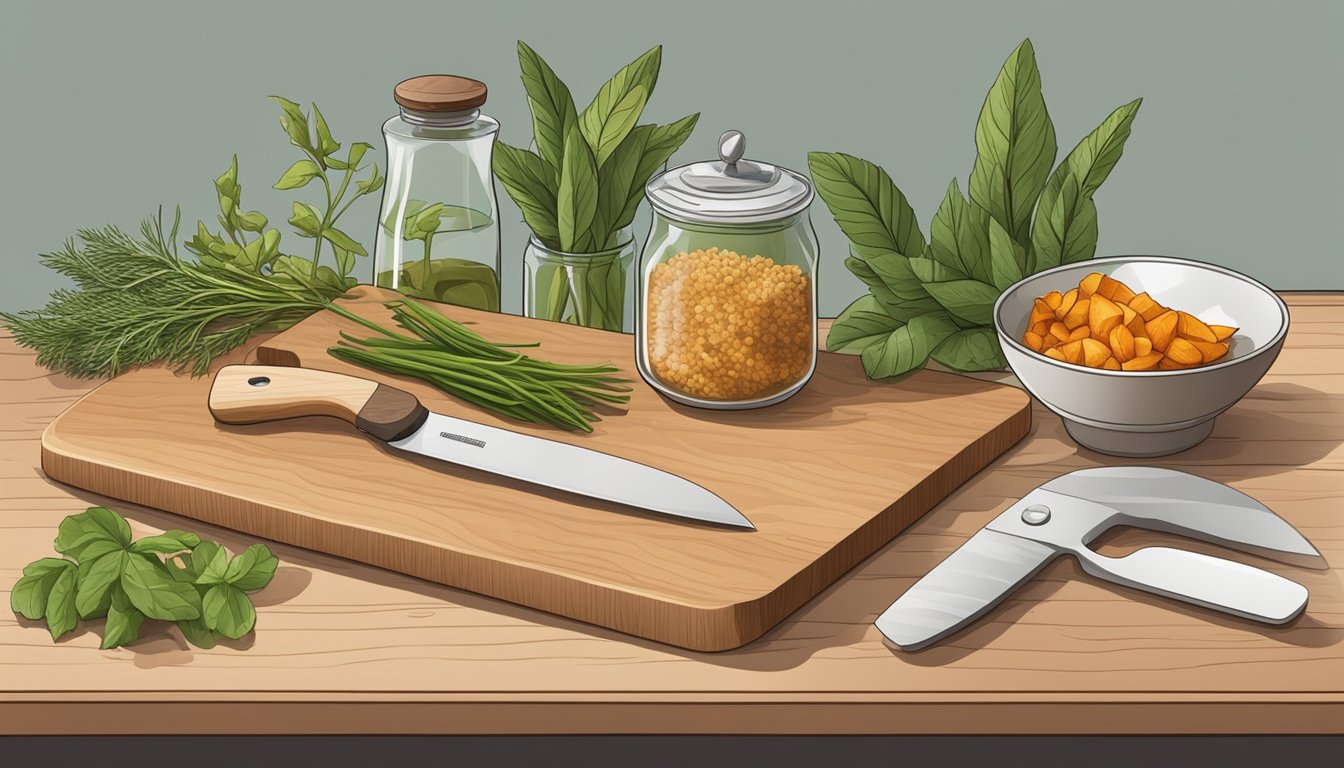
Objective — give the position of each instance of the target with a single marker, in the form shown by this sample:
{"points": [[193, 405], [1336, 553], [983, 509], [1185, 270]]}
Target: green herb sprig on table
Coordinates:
{"points": [[934, 299], [585, 181], [452, 357], [137, 301], [104, 574]]}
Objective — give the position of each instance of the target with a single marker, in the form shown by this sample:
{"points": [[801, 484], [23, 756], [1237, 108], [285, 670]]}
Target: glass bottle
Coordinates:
{"points": [[438, 232], [727, 283]]}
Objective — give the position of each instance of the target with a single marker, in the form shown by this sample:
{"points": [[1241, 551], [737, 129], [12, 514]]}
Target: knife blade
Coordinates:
{"points": [[962, 588], [248, 394]]}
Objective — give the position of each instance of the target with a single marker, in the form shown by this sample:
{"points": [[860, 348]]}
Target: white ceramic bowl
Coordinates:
{"points": [[1148, 413]]}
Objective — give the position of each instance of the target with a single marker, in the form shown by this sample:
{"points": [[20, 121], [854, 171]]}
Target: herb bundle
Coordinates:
{"points": [[105, 574], [457, 360], [585, 181], [934, 299], [138, 302]]}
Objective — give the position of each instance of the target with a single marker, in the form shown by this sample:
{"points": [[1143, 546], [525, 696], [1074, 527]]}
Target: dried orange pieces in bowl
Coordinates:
{"points": [[1103, 324]]}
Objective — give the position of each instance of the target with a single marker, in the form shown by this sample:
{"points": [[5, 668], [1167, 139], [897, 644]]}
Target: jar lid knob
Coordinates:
{"points": [[732, 146]]}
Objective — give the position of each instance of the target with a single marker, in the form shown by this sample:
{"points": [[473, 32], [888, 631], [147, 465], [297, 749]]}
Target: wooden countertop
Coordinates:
{"points": [[343, 648]]}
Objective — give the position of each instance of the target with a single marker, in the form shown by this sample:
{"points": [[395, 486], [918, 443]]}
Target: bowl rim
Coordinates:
{"points": [[1005, 337]]}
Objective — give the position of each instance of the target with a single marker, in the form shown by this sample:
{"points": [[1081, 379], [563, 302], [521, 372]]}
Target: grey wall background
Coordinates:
{"points": [[114, 108]]}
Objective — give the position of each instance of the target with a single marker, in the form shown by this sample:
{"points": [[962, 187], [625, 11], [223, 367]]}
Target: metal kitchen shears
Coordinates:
{"points": [[1064, 515]]}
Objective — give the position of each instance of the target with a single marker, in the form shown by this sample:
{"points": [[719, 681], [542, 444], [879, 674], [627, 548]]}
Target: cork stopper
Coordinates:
{"points": [[440, 93]]}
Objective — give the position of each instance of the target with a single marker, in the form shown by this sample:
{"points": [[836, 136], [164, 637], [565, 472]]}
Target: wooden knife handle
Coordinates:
{"points": [[247, 394]]}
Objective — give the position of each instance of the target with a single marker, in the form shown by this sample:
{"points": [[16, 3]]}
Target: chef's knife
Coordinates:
{"points": [[246, 394], [1069, 512]]}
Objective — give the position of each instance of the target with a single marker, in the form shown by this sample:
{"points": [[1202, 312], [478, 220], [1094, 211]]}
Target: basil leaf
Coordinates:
{"points": [[326, 145], [123, 621], [1088, 164], [616, 182], [306, 219], [959, 236], [618, 104], [153, 591], [869, 208], [295, 123], [228, 190], [907, 347], [214, 567], [972, 349], [341, 240], [553, 112], [194, 563], [95, 582], [298, 175], [970, 300], [253, 569], [576, 198], [228, 611], [1007, 258], [196, 633], [529, 182], [1015, 145], [663, 142], [92, 533], [166, 543], [60, 612], [863, 323], [29, 596]]}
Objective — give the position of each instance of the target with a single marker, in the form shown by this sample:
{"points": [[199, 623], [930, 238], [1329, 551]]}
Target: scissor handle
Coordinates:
{"points": [[1212, 582]]}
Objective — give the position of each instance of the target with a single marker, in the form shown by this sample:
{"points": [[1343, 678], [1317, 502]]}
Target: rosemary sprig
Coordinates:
{"points": [[490, 375]]}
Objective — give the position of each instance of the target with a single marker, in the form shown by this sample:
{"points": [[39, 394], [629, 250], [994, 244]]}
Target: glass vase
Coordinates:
{"points": [[595, 290]]}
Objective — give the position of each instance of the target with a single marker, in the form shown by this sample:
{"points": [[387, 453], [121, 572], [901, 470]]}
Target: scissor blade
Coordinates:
{"points": [[973, 579], [567, 468], [1177, 502]]}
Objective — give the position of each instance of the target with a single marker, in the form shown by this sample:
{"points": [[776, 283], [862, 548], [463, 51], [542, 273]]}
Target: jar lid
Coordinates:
{"points": [[440, 93], [730, 189]]}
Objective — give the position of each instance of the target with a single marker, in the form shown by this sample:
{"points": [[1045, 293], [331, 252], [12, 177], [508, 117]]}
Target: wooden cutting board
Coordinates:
{"points": [[827, 477]]}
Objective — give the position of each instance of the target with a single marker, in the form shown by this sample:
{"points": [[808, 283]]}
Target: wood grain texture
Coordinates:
{"points": [[248, 394], [827, 478], [342, 647]]}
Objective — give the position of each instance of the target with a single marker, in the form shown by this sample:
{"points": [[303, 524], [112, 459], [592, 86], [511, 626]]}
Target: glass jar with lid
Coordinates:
{"points": [[438, 233], [727, 315]]}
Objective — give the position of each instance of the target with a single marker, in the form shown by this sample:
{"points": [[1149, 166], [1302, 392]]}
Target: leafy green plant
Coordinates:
{"points": [[173, 576], [457, 281], [933, 299], [585, 181], [137, 302]]}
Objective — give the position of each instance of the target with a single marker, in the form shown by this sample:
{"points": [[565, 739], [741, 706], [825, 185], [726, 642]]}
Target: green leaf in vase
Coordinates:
{"points": [[616, 182], [618, 104], [663, 141], [1015, 145], [576, 200], [453, 281], [971, 349], [533, 187], [553, 112], [907, 347]]}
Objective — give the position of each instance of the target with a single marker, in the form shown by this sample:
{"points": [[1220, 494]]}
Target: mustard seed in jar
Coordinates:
{"points": [[724, 326]]}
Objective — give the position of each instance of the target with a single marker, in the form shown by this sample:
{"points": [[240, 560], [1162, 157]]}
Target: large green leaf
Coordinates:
{"points": [[1008, 260], [618, 104], [972, 349], [1060, 236], [123, 620], [96, 581], [1015, 144], [907, 347], [228, 611], [156, 594], [298, 175], [1067, 232], [959, 236], [615, 182], [970, 300], [532, 186], [92, 533], [29, 596], [863, 323], [295, 124], [663, 142], [252, 569], [61, 614], [576, 200], [552, 110], [866, 204]]}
